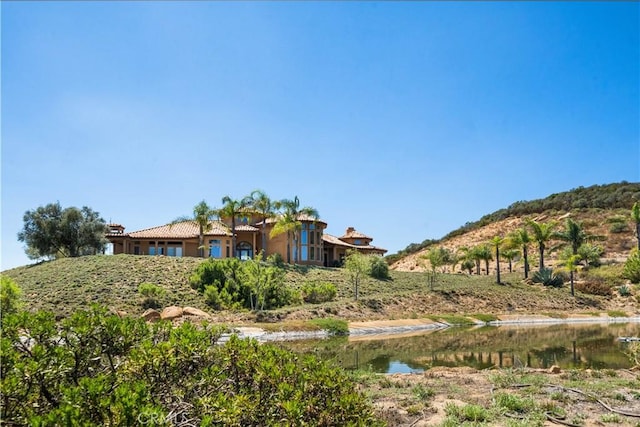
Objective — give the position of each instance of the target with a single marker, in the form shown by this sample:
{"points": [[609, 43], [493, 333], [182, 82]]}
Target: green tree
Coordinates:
{"points": [[289, 222], [571, 264], [232, 208], [574, 235], [496, 242], [483, 253], [521, 238], [203, 214], [265, 283], [542, 234], [635, 215], [357, 265], [262, 205], [510, 255], [437, 257], [50, 231]]}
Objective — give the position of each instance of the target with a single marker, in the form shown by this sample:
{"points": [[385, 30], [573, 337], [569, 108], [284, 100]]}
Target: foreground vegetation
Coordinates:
{"points": [[99, 369]]}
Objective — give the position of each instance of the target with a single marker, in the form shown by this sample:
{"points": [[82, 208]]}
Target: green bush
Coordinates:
{"points": [[276, 259], [10, 294], [318, 292], [332, 326], [632, 267], [379, 268], [150, 294], [624, 291], [618, 227], [99, 369], [547, 277]]}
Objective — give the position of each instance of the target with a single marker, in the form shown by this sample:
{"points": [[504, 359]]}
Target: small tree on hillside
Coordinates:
{"points": [[50, 232], [635, 215], [496, 242], [357, 265]]}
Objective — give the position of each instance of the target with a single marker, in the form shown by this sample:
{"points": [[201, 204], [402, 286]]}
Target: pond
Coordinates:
{"points": [[581, 346]]}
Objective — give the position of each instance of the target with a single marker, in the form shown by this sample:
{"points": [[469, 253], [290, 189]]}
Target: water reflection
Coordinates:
{"points": [[568, 346]]}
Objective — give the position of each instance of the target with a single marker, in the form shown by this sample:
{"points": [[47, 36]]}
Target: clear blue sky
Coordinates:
{"points": [[405, 120]]}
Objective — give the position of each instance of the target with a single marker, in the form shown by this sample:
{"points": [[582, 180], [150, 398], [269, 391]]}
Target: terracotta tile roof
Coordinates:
{"points": [[245, 227], [180, 230], [328, 238], [351, 233]]}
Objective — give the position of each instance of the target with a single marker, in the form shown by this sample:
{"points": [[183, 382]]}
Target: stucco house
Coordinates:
{"points": [[314, 247]]}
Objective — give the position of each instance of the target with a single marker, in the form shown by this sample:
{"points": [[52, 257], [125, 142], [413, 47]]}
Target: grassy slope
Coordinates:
{"points": [[66, 285]]}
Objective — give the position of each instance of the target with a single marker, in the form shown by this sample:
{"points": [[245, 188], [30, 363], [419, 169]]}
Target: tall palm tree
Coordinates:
{"points": [[289, 222], [573, 235], [484, 254], [542, 234], [262, 205], [521, 237], [232, 208], [203, 214], [496, 242], [635, 215]]}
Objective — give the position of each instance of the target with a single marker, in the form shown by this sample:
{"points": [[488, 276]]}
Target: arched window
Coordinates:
{"points": [[244, 251]]}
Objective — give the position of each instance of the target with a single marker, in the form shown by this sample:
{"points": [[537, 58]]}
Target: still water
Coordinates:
{"points": [[580, 346]]}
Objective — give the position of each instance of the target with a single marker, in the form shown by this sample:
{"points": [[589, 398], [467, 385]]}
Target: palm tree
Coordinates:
{"points": [[482, 253], [262, 205], [520, 237], [202, 217], [289, 222], [635, 215], [232, 208], [573, 235], [496, 242], [510, 255], [571, 263], [542, 233]]}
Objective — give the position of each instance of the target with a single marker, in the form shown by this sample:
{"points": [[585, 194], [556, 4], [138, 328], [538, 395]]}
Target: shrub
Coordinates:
{"points": [[547, 277], [632, 267], [618, 227], [379, 268], [276, 259], [594, 286], [318, 292], [99, 369], [10, 294], [332, 326], [150, 294], [624, 291]]}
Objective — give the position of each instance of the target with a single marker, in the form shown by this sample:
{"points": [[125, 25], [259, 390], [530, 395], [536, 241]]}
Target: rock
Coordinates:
{"points": [[192, 311], [170, 313], [555, 369], [151, 315]]}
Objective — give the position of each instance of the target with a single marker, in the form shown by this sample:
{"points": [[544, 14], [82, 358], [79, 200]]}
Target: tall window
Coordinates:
{"points": [[244, 251], [152, 248], [174, 249], [215, 249]]}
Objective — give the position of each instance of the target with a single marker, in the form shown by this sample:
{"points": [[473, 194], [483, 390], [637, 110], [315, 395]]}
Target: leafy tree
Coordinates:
{"points": [[437, 257], [50, 231], [289, 222], [233, 208], [262, 205], [521, 238], [202, 217], [265, 283], [631, 269], [379, 268], [542, 234], [496, 242], [357, 265], [635, 215]]}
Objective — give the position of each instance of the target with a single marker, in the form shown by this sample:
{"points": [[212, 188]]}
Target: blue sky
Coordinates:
{"points": [[405, 120]]}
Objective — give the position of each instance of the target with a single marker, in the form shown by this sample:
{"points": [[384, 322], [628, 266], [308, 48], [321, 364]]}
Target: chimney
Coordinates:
{"points": [[349, 230]]}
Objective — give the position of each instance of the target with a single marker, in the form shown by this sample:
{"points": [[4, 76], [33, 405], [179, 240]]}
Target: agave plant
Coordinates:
{"points": [[547, 277]]}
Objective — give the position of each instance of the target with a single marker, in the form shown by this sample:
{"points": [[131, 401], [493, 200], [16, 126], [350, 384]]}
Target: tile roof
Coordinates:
{"points": [[180, 230], [245, 227], [351, 233], [328, 238], [301, 217]]}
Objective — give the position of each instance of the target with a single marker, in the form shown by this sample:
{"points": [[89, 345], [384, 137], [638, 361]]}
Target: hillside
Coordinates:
{"points": [[598, 207]]}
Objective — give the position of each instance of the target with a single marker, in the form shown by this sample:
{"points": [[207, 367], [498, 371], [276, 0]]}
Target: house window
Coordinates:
{"points": [[152, 250], [312, 252], [136, 250], [357, 242], [174, 249], [312, 236], [303, 237], [215, 249], [244, 251], [303, 254]]}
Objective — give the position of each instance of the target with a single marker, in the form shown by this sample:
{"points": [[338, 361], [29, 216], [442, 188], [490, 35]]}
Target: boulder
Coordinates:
{"points": [[170, 313], [192, 311], [151, 315]]}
